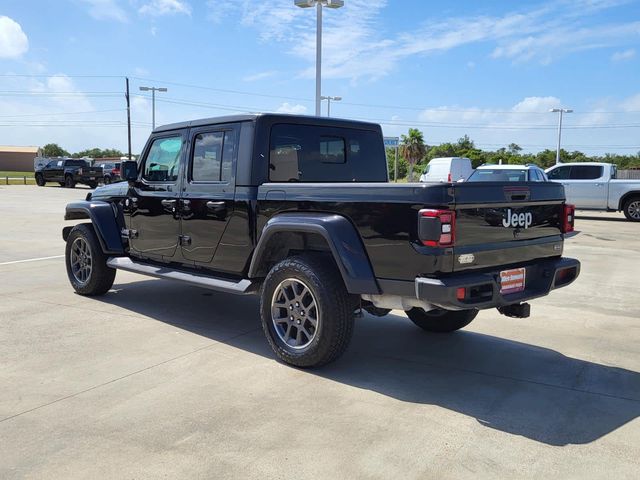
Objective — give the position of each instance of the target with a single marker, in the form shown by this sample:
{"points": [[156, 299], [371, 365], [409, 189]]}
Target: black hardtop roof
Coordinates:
{"points": [[271, 117]]}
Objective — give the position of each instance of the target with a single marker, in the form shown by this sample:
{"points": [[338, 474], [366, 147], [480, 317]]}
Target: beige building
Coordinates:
{"points": [[18, 159]]}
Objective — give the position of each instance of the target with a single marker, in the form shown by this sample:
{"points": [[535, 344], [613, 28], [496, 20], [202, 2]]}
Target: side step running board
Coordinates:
{"points": [[223, 285]]}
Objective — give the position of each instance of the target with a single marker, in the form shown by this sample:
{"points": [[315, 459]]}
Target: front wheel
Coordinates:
{"points": [[306, 311], [69, 182], [441, 321], [632, 209], [40, 180], [86, 263]]}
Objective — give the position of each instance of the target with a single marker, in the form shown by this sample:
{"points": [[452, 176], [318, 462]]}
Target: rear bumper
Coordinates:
{"points": [[482, 289]]}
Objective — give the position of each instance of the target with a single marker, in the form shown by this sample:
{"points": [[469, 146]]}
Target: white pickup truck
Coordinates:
{"points": [[593, 186]]}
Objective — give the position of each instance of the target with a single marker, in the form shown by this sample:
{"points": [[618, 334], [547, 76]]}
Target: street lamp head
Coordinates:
{"points": [[563, 110], [337, 99], [144, 89], [162, 89], [313, 3]]}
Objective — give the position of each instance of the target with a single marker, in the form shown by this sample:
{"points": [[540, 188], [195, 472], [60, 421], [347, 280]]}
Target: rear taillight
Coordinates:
{"points": [[568, 217], [449, 177], [437, 228], [116, 171]]}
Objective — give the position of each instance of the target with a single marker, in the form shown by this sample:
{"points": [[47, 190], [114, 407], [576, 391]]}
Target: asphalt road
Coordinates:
{"points": [[161, 380]]}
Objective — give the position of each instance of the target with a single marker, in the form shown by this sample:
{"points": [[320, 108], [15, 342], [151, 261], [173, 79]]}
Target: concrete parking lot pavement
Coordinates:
{"points": [[157, 379]]}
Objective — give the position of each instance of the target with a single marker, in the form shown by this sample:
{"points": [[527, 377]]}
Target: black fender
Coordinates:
{"points": [[104, 221], [341, 237]]}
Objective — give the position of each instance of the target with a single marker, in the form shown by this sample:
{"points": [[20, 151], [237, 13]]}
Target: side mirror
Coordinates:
{"points": [[129, 171]]}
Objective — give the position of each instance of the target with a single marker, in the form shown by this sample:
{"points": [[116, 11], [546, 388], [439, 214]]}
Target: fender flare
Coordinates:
{"points": [[104, 221], [343, 241], [627, 196]]}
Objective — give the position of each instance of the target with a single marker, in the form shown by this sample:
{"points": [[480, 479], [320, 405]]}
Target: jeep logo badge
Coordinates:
{"points": [[517, 220]]}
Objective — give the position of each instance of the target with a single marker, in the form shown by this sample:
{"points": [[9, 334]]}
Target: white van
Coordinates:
{"points": [[447, 169]]}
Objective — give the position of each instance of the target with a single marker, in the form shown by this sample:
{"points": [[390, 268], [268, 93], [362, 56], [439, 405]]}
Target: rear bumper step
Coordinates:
{"points": [[482, 290], [242, 287]]}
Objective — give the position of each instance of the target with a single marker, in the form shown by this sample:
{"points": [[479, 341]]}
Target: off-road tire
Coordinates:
{"points": [[40, 180], [441, 321], [93, 184], [101, 277], [69, 182], [335, 312], [106, 180], [631, 209]]}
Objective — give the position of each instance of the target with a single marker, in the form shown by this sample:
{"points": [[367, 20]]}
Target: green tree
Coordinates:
{"points": [[54, 150], [514, 149], [412, 148], [98, 153]]}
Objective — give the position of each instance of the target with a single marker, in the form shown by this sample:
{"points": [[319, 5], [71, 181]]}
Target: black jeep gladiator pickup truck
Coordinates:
{"points": [[299, 210], [68, 172]]}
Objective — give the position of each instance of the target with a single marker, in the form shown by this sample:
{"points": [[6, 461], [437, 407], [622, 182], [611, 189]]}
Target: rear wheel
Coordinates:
{"points": [[106, 180], [631, 209], [86, 263], [69, 182], [40, 180], [93, 184], [306, 311], [441, 321]]}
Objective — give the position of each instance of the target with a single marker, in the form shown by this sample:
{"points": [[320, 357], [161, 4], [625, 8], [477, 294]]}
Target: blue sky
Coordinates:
{"points": [[487, 69]]}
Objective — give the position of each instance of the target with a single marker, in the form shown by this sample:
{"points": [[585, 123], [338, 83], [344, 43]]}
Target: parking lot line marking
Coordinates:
{"points": [[31, 260]]}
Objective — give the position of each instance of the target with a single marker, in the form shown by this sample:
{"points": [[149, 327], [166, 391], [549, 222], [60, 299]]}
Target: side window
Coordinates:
{"points": [[560, 173], [585, 172], [163, 160], [332, 149], [213, 154]]}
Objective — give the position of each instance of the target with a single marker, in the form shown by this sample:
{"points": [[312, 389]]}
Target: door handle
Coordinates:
{"points": [[215, 205], [168, 203]]}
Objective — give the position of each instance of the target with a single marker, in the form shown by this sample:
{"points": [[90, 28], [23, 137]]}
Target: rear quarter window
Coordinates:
{"points": [[311, 153]]}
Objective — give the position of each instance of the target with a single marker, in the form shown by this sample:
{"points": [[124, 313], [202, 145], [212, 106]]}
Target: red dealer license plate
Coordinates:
{"points": [[512, 281]]}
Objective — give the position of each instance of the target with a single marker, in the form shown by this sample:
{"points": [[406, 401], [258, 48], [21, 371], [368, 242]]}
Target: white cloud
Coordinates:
{"points": [[258, 76], [296, 109], [219, 10], [106, 10], [13, 41], [156, 8], [357, 45], [623, 55]]}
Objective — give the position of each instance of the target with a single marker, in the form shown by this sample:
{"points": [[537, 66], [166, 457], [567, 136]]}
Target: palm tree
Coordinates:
{"points": [[412, 148]]}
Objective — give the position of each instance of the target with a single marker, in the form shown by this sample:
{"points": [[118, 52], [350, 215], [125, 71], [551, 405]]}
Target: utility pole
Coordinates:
{"points": [[560, 111], [128, 119]]}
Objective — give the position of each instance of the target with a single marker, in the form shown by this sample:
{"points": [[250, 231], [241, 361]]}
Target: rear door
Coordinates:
{"points": [[153, 204], [588, 187], [208, 192]]}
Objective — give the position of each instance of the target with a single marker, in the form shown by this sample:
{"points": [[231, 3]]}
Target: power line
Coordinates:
{"points": [[45, 114]]}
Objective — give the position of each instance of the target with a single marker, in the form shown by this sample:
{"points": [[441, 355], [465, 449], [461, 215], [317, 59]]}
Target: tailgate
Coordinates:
{"points": [[500, 224]]}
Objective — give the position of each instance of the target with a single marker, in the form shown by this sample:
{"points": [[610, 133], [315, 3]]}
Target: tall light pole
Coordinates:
{"points": [[153, 91], [319, 4], [560, 111], [328, 99]]}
